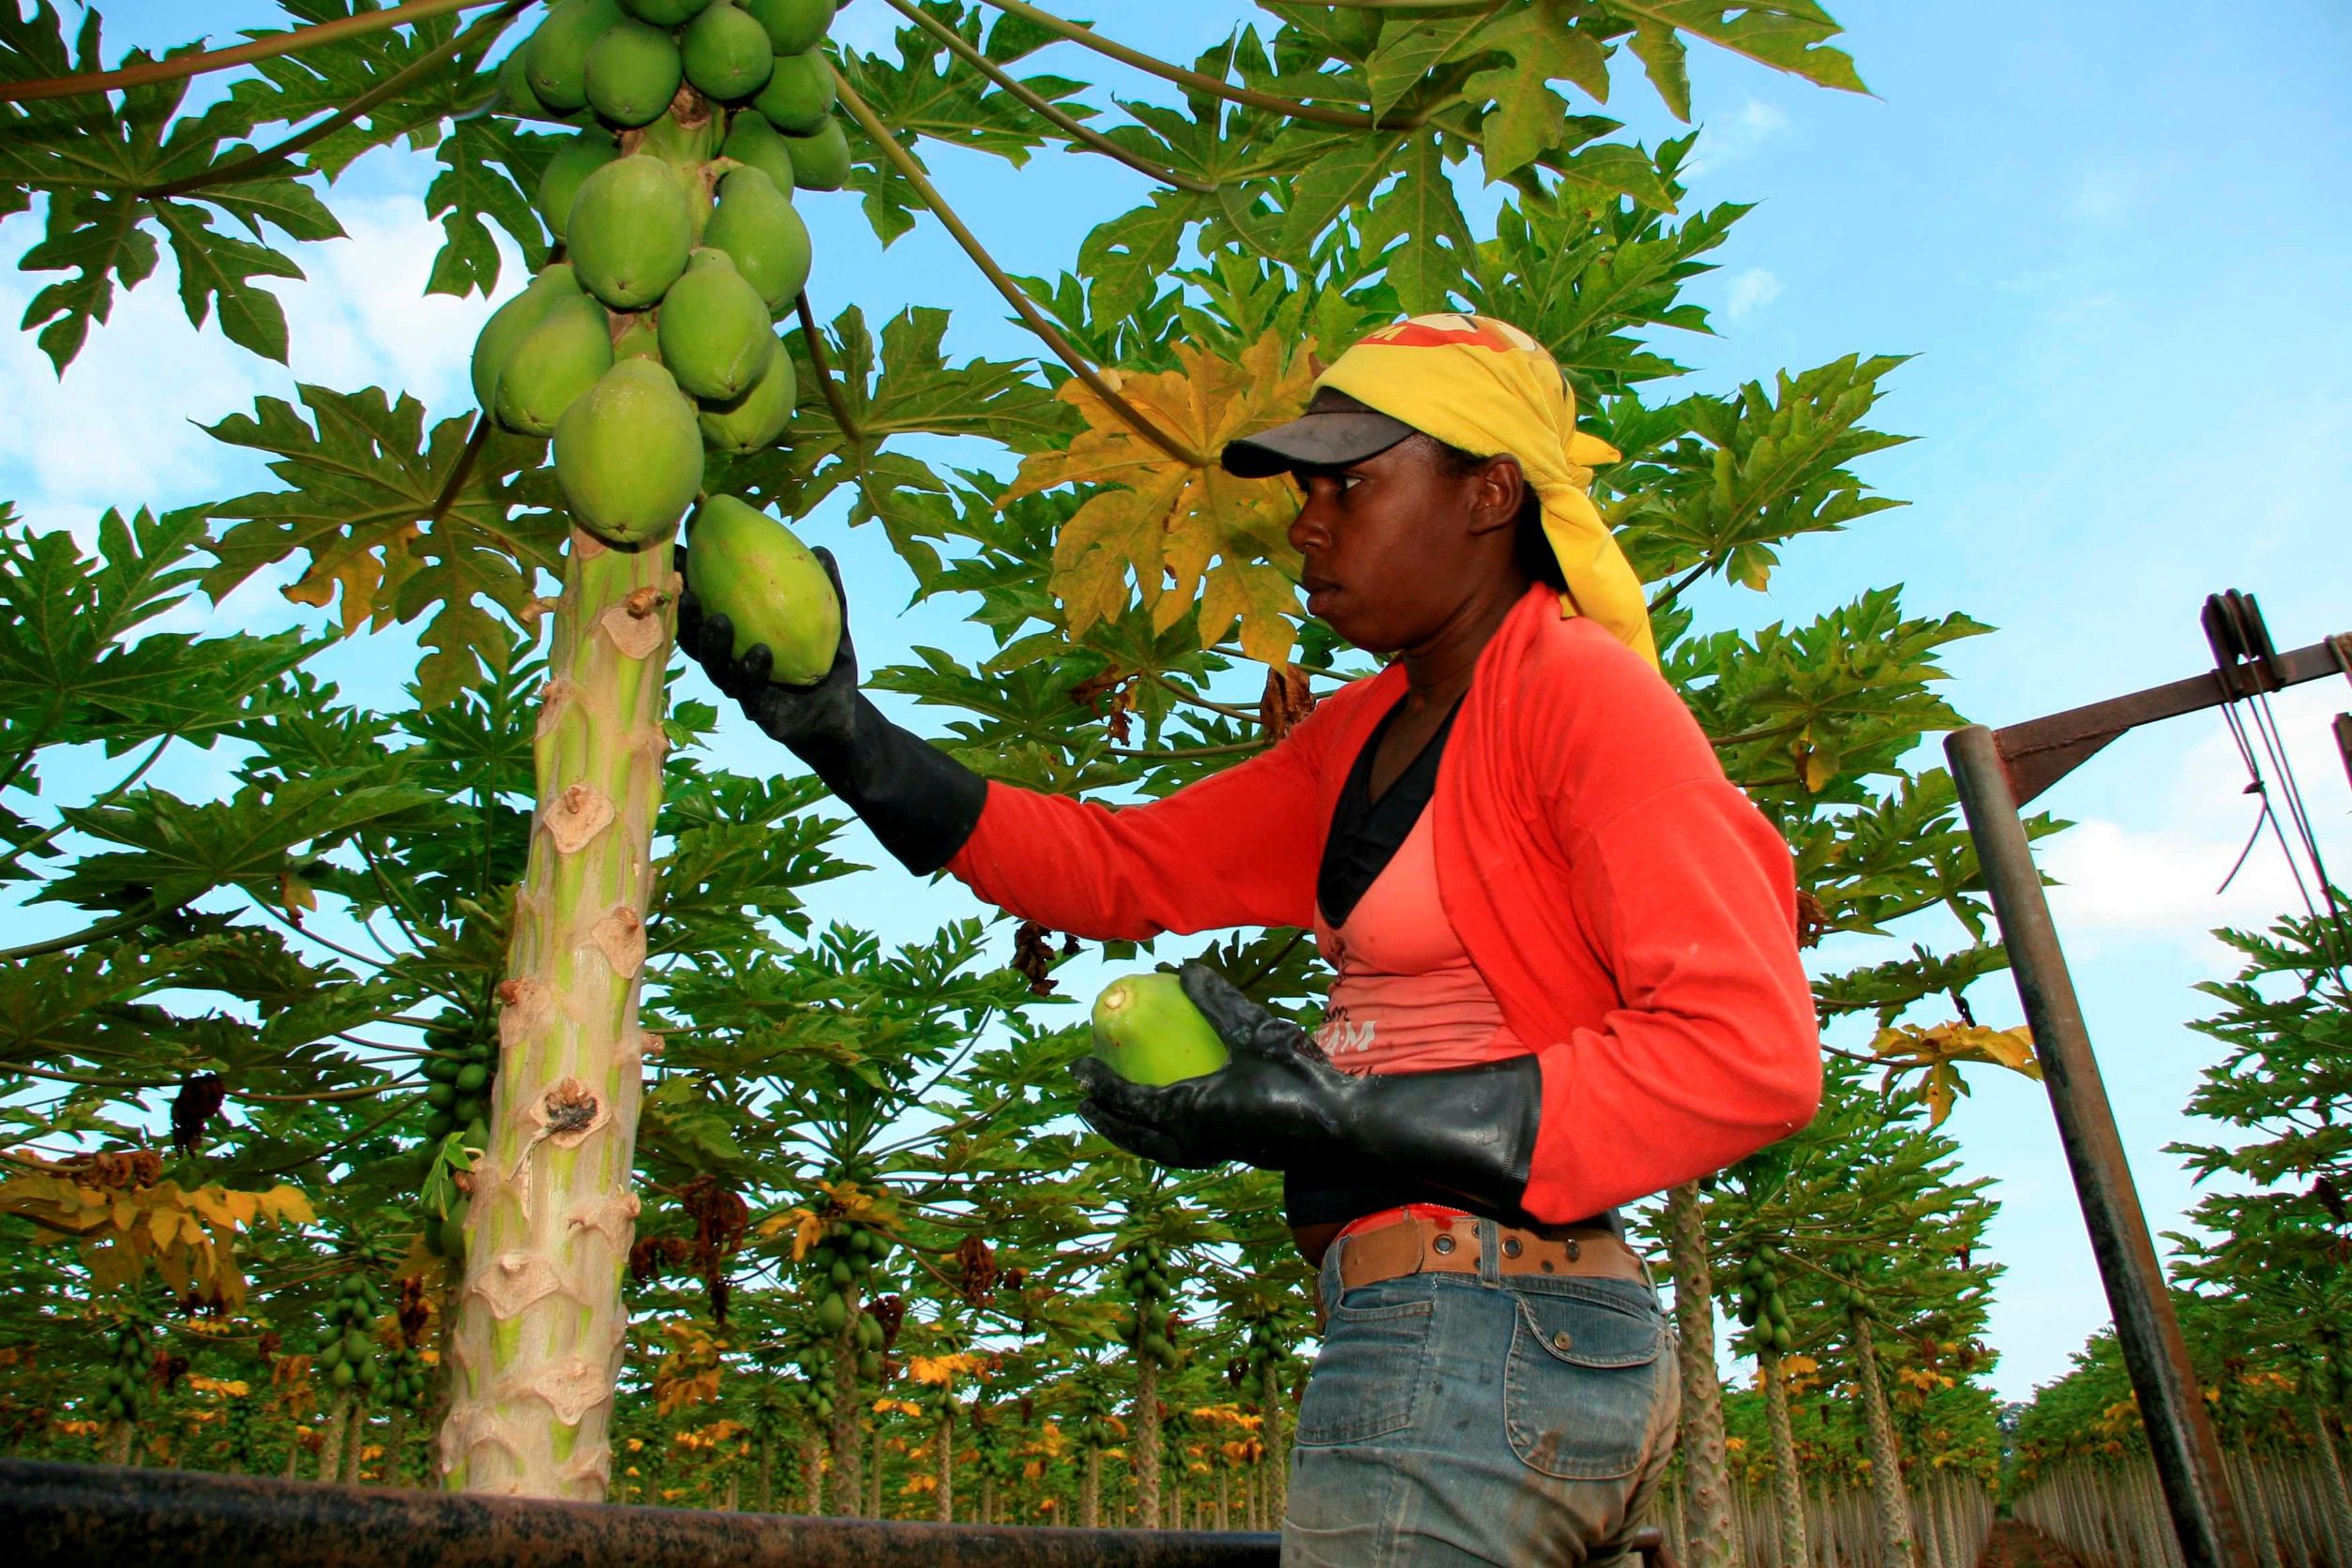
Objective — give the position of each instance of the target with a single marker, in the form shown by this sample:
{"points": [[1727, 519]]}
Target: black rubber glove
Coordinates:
{"points": [[920, 802], [1280, 1104]]}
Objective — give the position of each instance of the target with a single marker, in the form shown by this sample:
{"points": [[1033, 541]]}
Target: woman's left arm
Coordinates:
{"points": [[1687, 896]]}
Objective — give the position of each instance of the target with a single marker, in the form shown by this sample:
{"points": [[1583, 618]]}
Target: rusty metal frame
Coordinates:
{"points": [[1995, 773], [73, 1516]]}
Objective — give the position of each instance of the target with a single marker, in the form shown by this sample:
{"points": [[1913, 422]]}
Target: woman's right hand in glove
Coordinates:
{"points": [[804, 717], [920, 802]]}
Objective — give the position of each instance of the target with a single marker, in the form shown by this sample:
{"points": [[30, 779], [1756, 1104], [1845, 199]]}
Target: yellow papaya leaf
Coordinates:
{"points": [[1181, 530]]}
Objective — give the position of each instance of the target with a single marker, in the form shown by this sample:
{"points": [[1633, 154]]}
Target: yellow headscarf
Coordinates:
{"points": [[1488, 387]]}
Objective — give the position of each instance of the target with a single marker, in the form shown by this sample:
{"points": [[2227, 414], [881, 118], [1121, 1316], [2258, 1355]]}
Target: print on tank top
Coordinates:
{"points": [[1405, 996]]}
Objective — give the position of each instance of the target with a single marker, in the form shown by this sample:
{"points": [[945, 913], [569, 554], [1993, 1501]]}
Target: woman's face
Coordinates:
{"points": [[1391, 543]]}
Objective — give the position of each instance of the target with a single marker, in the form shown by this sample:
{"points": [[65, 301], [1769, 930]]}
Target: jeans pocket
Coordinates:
{"points": [[1370, 1377], [1581, 1385]]}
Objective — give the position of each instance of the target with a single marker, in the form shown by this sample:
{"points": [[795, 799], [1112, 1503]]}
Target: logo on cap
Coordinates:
{"points": [[1429, 332]]}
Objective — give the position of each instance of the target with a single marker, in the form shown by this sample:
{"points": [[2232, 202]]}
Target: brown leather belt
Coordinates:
{"points": [[1414, 1244]]}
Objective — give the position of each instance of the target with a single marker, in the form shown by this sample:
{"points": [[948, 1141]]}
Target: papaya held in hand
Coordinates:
{"points": [[1147, 1031], [745, 565]]}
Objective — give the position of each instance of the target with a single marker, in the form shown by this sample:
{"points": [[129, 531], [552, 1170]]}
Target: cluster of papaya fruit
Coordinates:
{"points": [[1257, 1373], [1762, 1308], [652, 340], [347, 1344], [1150, 1328], [458, 1078], [1847, 1295], [126, 1369], [847, 1259], [813, 1393]]}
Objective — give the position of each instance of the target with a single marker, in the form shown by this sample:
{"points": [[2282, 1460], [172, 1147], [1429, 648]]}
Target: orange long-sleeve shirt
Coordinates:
{"points": [[1632, 913]]}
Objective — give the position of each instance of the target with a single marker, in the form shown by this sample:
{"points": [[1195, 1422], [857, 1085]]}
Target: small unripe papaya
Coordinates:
{"points": [[633, 71], [714, 331], [799, 92], [792, 26], [573, 163], [821, 161], [555, 57], [556, 361], [752, 420], [751, 140], [665, 13], [767, 240], [1147, 1031], [727, 54], [511, 322], [629, 230], [745, 565], [627, 455]]}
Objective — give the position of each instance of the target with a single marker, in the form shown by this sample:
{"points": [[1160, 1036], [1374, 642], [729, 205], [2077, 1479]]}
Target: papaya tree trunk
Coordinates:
{"points": [[944, 1511], [1788, 1486], [1886, 1460], [1090, 1508], [355, 1444], [539, 1332], [812, 1473], [844, 1442], [1706, 1500], [1144, 1443], [331, 1441]]}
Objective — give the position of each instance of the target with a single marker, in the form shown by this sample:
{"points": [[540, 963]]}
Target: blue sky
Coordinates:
{"points": [[2104, 230]]}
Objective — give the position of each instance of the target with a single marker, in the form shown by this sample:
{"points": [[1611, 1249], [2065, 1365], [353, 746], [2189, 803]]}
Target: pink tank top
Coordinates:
{"points": [[1405, 997]]}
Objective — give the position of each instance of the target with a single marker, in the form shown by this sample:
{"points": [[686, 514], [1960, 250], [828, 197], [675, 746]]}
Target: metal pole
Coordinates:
{"points": [[2188, 1461]]}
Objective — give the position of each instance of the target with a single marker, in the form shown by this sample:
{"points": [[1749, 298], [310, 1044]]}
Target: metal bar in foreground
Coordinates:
{"points": [[72, 1516], [2188, 1460]]}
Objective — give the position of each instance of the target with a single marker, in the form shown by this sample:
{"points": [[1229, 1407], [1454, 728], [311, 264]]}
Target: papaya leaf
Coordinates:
{"points": [[489, 168], [173, 852], [1418, 230], [1162, 521], [365, 482], [72, 669], [1786, 35]]}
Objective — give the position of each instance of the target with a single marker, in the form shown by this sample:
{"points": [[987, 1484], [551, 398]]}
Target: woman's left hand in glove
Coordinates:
{"points": [[1278, 1103]]}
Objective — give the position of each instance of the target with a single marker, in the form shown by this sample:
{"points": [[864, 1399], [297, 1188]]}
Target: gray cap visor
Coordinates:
{"points": [[1330, 438]]}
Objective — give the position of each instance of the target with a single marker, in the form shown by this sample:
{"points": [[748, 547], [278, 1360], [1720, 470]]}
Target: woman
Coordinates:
{"points": [[1563, 945]]}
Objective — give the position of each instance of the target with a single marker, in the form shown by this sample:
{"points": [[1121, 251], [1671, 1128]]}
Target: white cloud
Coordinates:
{"points": [[1727, 140], [2154, 871], [1751, 290]]}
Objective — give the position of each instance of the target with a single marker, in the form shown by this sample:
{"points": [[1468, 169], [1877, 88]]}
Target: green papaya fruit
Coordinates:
{"points": [[629, 232], [555, 58], [356, 1345], [627, 455], [516, 95], [440, 1069], [799, 92], [468, 1110], [509, 324], [441, 1096], [727, 54], [640, 336], [831, 1313], [821, 161], [665, 13], [440, 1125], [860, 1242], [743, 563], [1159, 1348], [343, 1376], [751, 140], [792, 26], [841, 1276], [1147, 1031], [714, 328], [751, 421], [633, 71], [556, 361], [573, 163], [870, 1364], [473, 1078], [756, 225]]}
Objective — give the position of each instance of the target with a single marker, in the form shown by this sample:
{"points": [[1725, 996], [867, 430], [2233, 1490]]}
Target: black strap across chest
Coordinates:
{"points": [[1366, 833]]}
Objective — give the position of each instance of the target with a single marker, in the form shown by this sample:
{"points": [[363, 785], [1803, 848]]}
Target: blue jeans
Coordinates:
{"points": [[1457, 1419]]}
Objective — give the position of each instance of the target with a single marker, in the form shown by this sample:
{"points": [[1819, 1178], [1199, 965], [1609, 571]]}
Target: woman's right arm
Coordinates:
{"points": [[1236, 849]]}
